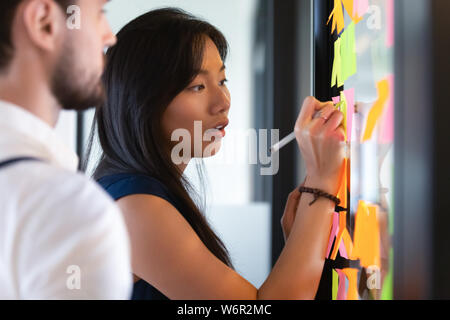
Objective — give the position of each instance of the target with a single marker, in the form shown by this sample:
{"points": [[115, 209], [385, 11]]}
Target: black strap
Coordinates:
{"points": [[16, 160]]}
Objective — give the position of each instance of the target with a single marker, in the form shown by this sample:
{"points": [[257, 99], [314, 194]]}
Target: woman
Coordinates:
{"points": [[166, 72]]}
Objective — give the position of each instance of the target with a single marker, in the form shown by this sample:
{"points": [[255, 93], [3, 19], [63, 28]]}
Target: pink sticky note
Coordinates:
{"points": [[350, 96], [336, 100], [390, 23], [360, 7], [342, 295], [387, 131], [334, 231]]}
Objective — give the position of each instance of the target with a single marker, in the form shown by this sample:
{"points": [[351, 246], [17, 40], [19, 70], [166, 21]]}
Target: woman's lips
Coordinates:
{"points": [[222, 131]]}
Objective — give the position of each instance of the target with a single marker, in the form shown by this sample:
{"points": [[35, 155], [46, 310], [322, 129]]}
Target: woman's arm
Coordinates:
{"points": [[167, 253], [298, 270]]}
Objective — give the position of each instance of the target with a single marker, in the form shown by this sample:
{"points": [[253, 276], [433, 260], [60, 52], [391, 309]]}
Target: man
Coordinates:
{"points": [[61, 237]]}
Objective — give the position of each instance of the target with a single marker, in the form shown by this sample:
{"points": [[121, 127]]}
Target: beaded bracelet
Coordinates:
{"points": [[319, 193]]}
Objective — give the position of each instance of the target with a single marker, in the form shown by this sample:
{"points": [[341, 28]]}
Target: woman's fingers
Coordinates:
{"points": [[310, 106], [334, 121], [327, 111]]}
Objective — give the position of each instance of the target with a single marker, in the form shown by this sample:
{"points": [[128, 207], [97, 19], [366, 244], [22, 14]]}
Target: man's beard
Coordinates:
{"points": [[70, 92]]}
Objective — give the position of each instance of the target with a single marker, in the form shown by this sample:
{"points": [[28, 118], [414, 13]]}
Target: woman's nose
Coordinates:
{"points": [[221, 101]]}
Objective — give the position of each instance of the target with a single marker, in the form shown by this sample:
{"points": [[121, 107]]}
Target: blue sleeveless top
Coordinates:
{"points": [[122, 185]]}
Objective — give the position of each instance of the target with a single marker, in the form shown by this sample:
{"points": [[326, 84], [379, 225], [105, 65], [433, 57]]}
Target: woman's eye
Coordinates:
{"points": [[198, 88], [223, 82]]}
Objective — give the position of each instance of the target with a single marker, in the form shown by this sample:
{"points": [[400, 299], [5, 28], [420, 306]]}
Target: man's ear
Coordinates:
{"points": [[44, 22]]}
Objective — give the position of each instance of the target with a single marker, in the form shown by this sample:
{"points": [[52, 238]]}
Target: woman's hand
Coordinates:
{"points": [[321, 141], [290, 212]]}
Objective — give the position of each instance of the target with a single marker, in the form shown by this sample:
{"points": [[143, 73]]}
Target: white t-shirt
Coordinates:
{"points": [[61, 235]]}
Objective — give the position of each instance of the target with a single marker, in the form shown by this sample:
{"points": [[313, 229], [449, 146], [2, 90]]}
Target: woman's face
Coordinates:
{"points": [[201, 108]]}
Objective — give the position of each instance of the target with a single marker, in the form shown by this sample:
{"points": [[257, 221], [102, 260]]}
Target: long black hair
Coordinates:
{"points": [[156, 57]]}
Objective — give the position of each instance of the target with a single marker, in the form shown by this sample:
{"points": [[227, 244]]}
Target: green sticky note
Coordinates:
{"points": [[348, 52], [388, 285], [336, 76]]}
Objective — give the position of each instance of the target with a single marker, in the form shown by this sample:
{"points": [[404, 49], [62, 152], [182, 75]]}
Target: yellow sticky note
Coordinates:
{"points": [[377, 109], [343, 109], [336, 76], [335, 285]]}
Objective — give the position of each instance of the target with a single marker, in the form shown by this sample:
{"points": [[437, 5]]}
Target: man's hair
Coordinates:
{"points": [[8, 9]]}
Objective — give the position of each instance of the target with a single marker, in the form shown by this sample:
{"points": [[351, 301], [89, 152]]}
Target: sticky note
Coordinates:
{"points": [[356, 9], [360, 7], [389, 23], [336, 76], [336, 100], [342, 101], [373, 256], [348, 52], [344, 111], [346, 247], [345, 61], [349, 109], [360, 229], [377, 110], [342, 195], [334, 229], [342, 228], [342, 294], [337, 17], [335, 285], [350, 97], [366, 244], [352, 276], [387, 127]]}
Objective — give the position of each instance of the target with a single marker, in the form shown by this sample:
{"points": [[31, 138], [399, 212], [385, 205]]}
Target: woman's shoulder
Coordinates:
{"points": [[127, 184]]}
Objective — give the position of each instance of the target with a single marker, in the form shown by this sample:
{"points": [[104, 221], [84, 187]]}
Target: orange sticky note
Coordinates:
{"points": [[373, 254], [337, 17], [358, 236], [342, 195], [366, 242], [347, 243], [377, 109], [352, 276]]}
